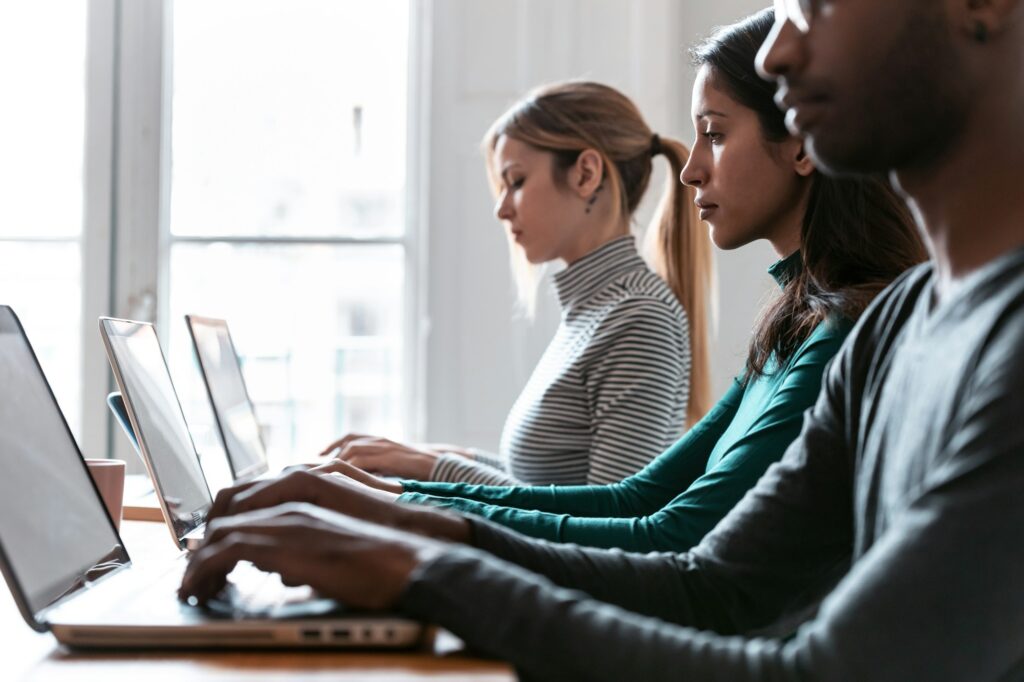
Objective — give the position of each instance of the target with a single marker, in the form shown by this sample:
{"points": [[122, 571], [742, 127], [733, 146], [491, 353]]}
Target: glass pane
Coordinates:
{"points": [[299, 127], [42, 282], [42, 121], [319, 330]]}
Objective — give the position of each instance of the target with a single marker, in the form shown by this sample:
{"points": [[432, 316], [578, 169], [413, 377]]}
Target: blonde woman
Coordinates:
{"points": [[628, 366]]}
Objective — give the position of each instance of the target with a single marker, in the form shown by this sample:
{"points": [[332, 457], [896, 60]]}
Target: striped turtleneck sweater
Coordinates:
{"points": [[611, 389]]}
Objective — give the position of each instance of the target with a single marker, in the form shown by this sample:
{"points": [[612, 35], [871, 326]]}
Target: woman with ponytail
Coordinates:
{"points": [[840, 242], [628, 366]]}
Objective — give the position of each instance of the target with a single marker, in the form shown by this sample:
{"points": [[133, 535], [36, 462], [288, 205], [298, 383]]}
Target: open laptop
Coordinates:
{"points": [[68, 569], [163, 438], [225, 386]]}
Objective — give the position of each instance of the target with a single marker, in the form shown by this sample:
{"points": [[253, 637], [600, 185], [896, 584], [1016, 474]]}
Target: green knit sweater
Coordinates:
{"points": [[685, 491]]}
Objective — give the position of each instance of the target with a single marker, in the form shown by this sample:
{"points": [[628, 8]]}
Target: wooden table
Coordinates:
{"points": [[27, 655]]}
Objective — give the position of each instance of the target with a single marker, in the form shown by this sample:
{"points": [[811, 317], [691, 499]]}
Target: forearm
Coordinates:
{"points": [[450, 469], [620, 499], [643, 493], [659, 585], [675, 530], [557, 634]]}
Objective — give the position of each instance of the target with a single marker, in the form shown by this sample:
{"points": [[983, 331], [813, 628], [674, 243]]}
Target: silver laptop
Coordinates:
{"points": [[68, 569], [225, 386], [163, 438]]}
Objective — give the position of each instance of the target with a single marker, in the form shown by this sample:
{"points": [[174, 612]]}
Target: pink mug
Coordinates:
{"points": [[109, 477]]}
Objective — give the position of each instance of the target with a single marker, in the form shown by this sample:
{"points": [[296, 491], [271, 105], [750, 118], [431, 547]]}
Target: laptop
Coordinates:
{"points": [[69, 572], [159, 425], [225, 386]]}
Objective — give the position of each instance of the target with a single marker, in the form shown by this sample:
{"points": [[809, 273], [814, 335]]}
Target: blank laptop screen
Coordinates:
{"points": [[53, 526], [163, 434], [233, 410]]}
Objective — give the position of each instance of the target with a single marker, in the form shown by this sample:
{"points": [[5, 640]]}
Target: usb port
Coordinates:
{"points": [[310, 634], [343, 634]]}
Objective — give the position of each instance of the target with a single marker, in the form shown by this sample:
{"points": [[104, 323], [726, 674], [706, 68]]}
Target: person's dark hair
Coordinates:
{"points": [[858, 235]]}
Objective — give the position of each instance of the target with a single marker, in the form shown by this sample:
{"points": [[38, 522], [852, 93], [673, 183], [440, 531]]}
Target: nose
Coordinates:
{"points": [[694, 173], [503, 208], [782, 52]]}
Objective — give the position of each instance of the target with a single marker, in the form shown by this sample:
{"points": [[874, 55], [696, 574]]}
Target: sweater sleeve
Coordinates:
{"points": [[480, 470], [953, 547], [642, 493]]}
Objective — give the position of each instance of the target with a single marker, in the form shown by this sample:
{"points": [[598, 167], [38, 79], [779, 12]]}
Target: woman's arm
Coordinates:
{"points": [[686, 519], [642, 493], [704, 498], [476, 469]]}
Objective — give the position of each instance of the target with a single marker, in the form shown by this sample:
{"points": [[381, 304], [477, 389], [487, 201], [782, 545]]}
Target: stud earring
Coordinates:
{"points": [[593, 198], [980, 33]]}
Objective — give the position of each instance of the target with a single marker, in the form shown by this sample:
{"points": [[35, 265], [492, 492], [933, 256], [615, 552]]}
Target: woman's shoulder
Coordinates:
{"points": [[640, 293]]}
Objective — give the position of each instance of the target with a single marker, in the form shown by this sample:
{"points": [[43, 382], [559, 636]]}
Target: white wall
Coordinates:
{"points": [[484, 55]]}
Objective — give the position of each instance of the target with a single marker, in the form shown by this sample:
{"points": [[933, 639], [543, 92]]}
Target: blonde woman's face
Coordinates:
{"points": [[542, 217], [747, 188]]}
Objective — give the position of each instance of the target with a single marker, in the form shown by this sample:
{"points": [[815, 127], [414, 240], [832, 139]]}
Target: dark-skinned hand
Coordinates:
{"points": [[358, 563], [340, 494]]}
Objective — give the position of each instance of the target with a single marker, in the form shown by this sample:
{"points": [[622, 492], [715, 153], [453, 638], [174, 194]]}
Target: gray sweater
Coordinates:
{"points": [[902, 503]]}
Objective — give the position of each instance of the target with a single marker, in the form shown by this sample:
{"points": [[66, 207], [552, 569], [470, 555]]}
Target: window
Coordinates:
{"points": [[41, 172], [286, 211]]}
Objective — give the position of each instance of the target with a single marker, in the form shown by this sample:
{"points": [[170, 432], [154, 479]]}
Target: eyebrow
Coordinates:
{"points": [[506, 169], [712, 112]]}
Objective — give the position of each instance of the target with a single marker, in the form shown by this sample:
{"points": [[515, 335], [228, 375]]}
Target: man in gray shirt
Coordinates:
{"points": [[893, 529]]}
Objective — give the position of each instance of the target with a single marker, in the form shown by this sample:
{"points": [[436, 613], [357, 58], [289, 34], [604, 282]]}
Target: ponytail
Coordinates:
{"points": [[680, 250], [566, 118]]}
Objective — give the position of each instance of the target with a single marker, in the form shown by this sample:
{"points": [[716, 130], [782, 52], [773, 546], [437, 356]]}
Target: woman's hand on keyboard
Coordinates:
{"points": [[359, 563], [340, 466], [339, 493], [385, 456]]}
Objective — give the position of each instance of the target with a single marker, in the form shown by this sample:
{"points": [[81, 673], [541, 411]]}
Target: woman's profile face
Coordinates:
{"points": [[747, 188], [542, 217]]}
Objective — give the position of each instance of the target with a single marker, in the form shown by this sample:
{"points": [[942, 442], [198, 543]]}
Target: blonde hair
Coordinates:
{"points": [[567, 118]]}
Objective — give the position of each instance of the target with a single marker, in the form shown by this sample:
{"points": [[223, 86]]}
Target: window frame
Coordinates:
{"points": [[128, 239]]}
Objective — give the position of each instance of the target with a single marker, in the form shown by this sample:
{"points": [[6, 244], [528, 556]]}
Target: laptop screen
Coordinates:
{"points": [[225, 385], [54, 529], [160, 425]]}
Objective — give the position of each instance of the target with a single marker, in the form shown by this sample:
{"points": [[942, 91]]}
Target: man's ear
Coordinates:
{"points": [[803, 164], [983, 19], [587, 173]]}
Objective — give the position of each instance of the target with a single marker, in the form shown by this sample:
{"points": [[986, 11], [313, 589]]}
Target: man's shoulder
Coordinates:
{"points": [[893, 306]]}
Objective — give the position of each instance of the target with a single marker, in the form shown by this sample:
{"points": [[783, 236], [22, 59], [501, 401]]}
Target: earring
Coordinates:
{"points": [[593, 198], [980, 32]]}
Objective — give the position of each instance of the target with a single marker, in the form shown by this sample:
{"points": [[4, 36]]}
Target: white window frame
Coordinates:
{"points": [[98, 220], [126, 236]]}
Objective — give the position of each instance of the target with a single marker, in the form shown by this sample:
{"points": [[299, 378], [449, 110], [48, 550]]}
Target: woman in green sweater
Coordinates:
{"points": [[840, 242]]}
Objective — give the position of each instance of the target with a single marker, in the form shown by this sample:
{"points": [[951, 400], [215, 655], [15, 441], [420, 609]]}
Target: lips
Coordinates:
{"points": [[804, 108], [706, 208]]}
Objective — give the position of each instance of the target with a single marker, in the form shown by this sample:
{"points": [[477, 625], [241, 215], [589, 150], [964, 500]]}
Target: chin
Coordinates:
{"points": [[841, 158], [724, 239], [535, 258]]}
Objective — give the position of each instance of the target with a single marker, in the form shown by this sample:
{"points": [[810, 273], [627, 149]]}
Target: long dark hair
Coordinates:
{"points": [[857, 234]]}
